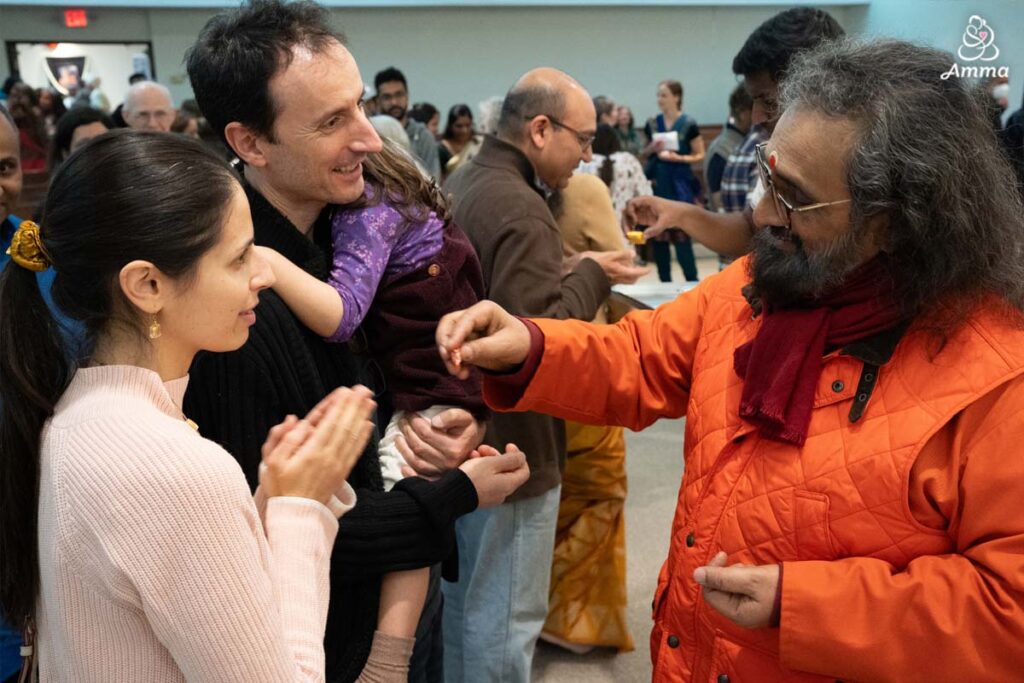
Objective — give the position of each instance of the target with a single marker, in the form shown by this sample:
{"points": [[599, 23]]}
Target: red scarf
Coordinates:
{"points": [[780, 367]]}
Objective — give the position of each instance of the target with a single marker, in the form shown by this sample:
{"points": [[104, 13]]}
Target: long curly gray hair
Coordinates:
{"points": [[925, 156]]}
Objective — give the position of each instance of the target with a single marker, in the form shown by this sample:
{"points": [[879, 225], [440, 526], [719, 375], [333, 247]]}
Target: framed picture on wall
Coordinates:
{"points": [[65, 73], [45, 64]]}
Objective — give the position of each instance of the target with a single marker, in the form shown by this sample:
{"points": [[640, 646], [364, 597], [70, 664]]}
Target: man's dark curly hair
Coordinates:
{"points": [[239, 52], [388, 75]]}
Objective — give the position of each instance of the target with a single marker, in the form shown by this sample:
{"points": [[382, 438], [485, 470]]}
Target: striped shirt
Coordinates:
{"points": [[740, 179], [740, 175]]}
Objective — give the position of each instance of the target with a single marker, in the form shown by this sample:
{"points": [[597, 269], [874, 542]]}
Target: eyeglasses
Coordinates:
{"points": [[783, 206], [585, 140]]}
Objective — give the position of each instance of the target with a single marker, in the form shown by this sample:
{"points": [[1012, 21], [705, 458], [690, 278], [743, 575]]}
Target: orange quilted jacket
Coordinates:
{"points": [[869, 593]]}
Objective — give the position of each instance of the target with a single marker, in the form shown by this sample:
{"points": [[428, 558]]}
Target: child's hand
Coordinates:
{"points": [[498, 475]]}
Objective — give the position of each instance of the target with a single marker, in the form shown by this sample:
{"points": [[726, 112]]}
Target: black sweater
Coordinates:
{"points": [[283, 369]]}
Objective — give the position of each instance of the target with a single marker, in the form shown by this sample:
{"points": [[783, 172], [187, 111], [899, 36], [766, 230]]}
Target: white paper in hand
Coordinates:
{"points": [[669, 140]]}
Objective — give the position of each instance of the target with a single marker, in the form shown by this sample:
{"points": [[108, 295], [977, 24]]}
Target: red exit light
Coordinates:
{"points": [[75, 18]]}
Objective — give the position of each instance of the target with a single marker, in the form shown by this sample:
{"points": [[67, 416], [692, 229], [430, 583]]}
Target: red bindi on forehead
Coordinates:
{"points": [[773, 160]]}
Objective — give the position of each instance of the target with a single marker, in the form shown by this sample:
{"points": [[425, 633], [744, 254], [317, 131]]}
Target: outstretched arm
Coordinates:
{"points": [[317, 304], [725, 233], [630, 374]]}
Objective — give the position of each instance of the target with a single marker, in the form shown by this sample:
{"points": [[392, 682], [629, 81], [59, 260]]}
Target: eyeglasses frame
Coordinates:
{"points": [[783, 206], [583, 139]]}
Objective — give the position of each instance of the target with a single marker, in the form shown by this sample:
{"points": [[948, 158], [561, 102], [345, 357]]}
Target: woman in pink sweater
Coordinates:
{"points": [[143, 557]]}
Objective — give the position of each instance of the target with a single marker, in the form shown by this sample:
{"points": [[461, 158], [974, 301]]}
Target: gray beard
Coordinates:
{"points": [[785, 279]]}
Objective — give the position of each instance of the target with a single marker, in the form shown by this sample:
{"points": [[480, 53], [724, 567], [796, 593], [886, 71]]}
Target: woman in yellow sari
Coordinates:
{"points": [[587, 599]]}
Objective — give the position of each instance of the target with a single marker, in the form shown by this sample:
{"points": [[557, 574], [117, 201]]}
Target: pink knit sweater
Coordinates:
{"points": [[156, 563]]}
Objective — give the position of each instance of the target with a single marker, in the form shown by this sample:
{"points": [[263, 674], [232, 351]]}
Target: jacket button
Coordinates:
{"points": [[723, 678], [838, 386], [690, 540], [434, 270], [673, 642]]}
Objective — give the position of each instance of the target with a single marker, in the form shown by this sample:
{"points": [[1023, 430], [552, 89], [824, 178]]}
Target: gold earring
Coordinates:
{"points": [[154, 329]]}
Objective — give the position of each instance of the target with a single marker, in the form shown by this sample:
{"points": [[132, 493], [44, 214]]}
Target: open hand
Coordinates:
{"points": [[617, 265], [312, 458]]}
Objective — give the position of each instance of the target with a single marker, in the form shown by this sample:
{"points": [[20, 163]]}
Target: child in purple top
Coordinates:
{"points": [[396, 270], [383, 261], [370, 244]]}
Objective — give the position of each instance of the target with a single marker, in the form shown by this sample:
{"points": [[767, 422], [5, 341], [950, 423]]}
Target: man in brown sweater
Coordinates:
{"points": [[495, 612]]}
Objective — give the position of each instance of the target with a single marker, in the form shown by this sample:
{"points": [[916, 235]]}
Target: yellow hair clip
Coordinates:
{"points": [[27, 248]]}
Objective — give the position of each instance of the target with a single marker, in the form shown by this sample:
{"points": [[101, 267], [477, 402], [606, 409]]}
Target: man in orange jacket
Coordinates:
{"points": [[854, 393]]}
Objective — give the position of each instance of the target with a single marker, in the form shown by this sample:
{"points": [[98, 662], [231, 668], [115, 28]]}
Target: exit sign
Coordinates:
{"points": [[75, 18]]}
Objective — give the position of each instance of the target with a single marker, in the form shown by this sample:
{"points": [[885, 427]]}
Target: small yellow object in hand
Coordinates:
{"points": [[636, 237]]}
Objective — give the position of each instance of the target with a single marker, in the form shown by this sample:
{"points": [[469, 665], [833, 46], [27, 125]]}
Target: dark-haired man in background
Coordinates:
{"points": [[730, 174], [762, 61], [393, 99], [727, 142]]}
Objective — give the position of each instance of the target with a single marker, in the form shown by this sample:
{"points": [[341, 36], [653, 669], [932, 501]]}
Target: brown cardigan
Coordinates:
{"points": [[587, 220], [499, 206]]}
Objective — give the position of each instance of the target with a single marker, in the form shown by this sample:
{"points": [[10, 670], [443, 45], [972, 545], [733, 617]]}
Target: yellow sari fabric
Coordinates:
{"points": [[587, 603]]}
